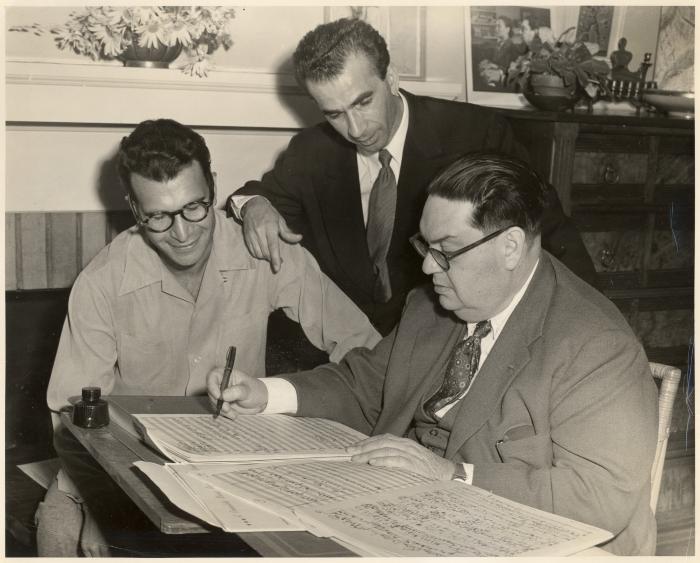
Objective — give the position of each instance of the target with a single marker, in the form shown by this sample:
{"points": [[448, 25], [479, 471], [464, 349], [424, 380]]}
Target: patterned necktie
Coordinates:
{"points": [[460, 369], [380, 225]]}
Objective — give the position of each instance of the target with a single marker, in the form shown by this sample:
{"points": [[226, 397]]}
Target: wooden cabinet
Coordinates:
{"points": [[628, 184]]}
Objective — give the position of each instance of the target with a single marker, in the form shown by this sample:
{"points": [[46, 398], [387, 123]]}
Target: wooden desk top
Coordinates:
{"points": [[116, 449]]}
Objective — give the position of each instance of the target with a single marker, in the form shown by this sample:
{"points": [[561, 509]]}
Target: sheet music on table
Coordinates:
{"points": [[199, 438], [285, 486], [212, 504], [447, 519]]}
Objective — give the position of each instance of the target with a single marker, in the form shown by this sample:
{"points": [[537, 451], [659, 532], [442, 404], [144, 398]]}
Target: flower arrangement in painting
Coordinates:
{"points": [[110, 32], [570, 60]]}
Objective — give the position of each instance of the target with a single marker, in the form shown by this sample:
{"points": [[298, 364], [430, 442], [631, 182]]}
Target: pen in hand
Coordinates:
{"points": [[230, 358]]}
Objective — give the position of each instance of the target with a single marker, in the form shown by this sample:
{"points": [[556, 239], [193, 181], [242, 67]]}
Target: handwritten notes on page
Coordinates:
{"points": [[282, 487], [201, 438], [211, 504], [447, 519], [277, 472]]}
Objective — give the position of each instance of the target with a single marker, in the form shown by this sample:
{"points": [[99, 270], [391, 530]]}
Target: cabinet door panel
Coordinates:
{"points": [[675, 169]]}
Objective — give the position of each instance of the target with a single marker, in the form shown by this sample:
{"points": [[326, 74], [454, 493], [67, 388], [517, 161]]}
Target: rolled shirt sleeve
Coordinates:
{"points": [[329, 318]]}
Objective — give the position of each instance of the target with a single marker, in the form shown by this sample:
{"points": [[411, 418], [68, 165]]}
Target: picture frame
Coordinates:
{"points": [[403, 29], [560, 18], [595, 24], [491, 45]]}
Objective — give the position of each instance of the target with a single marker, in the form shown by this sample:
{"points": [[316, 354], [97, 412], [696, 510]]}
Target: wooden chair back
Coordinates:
{"points": [[670, 378]]}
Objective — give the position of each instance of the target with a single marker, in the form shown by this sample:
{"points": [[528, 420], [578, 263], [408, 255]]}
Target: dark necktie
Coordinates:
{"points": [[380, 225], [460, 369]]}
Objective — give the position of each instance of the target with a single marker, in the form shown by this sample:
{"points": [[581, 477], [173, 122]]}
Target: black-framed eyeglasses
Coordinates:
{"points": [[443, 258], [159, 222]]}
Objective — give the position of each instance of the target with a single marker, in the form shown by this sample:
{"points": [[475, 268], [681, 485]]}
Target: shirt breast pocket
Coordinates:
{"points": [[145, 364]]}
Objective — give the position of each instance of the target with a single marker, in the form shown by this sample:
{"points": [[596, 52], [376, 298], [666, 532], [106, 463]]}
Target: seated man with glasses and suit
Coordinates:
{"points": [[158, 308], [510, 373]]}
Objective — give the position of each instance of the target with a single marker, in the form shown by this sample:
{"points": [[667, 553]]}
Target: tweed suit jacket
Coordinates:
{"points": [[561, 416], [315, 186]]}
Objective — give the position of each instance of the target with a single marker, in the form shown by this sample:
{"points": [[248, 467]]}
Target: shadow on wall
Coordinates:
{"points": [[293, 98], [111, 194]]}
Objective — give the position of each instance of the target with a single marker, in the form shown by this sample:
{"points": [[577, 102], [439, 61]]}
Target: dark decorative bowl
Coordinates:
{"points": [[548, 92], [672, 102], [149, 57]]}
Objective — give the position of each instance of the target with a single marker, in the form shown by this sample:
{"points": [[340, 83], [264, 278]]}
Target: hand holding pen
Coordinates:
{"points": [[230, 359], [234, 392]]}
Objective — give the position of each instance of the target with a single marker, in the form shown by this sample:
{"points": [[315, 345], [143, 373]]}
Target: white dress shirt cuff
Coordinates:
{"points": [[468, 472], [281, 396], [238, 201]]}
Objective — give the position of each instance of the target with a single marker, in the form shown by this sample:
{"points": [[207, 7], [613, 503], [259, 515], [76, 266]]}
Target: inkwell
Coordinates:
{"points": [[91, 411]]}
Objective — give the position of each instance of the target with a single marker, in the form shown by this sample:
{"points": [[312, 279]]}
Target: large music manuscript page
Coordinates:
{"points": [[447, 519], [281, 487], [212, 504], [202, 438]]}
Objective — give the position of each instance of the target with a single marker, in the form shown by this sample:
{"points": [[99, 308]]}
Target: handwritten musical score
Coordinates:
{"points": [[447, 519], [198, 438]]}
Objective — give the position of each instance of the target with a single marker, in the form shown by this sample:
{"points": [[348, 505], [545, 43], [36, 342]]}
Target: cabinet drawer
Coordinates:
{"points": [[609, 168], [623, 251]]}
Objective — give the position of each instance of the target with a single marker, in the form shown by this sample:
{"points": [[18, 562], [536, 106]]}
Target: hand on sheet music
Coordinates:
{"points": [[244, 395], [387, 450], [263, 227]]}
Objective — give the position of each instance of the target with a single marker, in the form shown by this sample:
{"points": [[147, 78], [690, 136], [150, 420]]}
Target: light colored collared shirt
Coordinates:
{"points": [[498, 321], [368, 166], [133, 329], [282, 395]]}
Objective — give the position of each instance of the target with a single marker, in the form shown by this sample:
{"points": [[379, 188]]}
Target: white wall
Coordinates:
{"points": [[67, 113], [68, 168]]}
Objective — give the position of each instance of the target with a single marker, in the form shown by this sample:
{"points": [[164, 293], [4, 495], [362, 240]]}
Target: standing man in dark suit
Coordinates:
{"points": [[352, 188], [509, 374]]}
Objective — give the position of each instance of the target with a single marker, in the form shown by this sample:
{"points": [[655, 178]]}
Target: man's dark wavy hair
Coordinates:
{"points": [[159, 149], [503, 190], [321, 53]]}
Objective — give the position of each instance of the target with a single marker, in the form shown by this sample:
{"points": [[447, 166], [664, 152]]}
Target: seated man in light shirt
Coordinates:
{"points": [[510, 373], [158, 308]]}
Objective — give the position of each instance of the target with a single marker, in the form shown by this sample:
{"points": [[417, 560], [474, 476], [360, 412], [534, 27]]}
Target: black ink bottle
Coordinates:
{"points": [[91, 411]]}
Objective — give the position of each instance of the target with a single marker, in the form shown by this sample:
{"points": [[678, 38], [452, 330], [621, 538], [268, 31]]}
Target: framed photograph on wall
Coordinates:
{"points": [[594, 26], [403, 28], [495, 37]]}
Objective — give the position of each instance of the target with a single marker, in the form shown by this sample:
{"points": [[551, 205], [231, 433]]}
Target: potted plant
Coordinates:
{"points": [[555, 73], [145, 35]]}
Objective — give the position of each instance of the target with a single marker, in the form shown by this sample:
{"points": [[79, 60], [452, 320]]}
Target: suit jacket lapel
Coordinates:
{"points": [[421, 149], [506, 360], [338, 193], [422, 372]]}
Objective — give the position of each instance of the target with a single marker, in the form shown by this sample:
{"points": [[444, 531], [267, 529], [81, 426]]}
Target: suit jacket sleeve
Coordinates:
{"points": [[350, 391], [284, 184], [602, 438]]}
